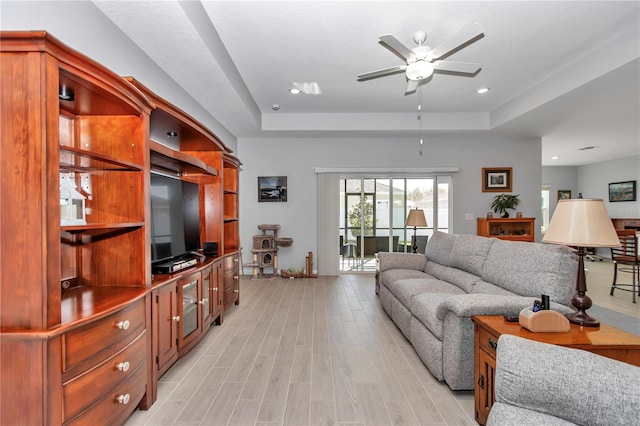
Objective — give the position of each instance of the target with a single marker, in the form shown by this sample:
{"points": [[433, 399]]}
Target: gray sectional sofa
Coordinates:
{"points": [[573, 387], [432, 297]]}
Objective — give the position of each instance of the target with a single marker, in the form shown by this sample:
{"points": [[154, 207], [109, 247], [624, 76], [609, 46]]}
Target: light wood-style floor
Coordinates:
{"points": [[317, 352]]}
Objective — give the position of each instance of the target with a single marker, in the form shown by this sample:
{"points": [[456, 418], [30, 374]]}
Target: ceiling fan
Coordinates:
{"points": [[423, 61]]}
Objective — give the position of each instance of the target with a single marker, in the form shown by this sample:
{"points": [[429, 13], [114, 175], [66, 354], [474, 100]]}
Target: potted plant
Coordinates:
{"points": [[502, 202]]}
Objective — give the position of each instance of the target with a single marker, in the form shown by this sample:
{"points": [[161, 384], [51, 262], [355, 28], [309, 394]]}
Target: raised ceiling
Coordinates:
{"points": [[565, 71]]}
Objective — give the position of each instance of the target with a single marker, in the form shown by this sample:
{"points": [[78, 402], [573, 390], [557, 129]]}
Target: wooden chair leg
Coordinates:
{"points": [[615, 275], [634, 281]]}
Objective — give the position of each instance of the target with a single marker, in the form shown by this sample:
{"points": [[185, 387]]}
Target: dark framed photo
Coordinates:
{"points": [[497, 179], [272, 189], [564, 194], [622, 191]]}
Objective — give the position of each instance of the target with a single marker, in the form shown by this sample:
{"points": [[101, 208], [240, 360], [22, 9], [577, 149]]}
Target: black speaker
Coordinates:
{"points": [[210, 248]]}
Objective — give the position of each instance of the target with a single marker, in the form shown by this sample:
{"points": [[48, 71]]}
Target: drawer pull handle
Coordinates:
{"points": [[235, 260], [235, 291], [493, 344], [214, 289], [481, 382], [176, 318], [123, 366], [235, 277], [123, 399], [203, 301], [123, 325]]}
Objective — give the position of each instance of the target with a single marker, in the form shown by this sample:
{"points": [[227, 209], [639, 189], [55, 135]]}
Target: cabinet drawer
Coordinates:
{"points": [[230, 262], [103, 337], [118, 404], [84, 389], [488, 341], [230, 296], [231, 280]]}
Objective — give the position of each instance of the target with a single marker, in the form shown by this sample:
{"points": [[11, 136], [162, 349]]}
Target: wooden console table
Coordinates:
{"points": [[604, 340]]}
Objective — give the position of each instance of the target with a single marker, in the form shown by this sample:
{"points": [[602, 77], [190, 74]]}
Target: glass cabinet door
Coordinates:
{"points": [[189, 307]]}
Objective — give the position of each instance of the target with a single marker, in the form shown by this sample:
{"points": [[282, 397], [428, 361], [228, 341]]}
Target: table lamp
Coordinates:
{"points": [[416, 218], [581, 223]]}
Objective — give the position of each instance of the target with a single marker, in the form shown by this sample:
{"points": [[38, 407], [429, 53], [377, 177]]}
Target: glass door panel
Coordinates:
{"points": [[373, 213]]}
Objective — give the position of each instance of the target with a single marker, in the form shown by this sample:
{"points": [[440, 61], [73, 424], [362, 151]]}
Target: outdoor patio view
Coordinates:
{"points": [[373, 213]]}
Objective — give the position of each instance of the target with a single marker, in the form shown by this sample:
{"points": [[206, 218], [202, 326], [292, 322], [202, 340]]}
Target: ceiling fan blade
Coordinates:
{"points": [[457, 67], [412, 85], [393, 44], [382, 72], [462, 38]]}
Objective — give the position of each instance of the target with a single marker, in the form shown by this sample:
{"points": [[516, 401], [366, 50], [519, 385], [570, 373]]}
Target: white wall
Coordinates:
{"points": [[298, 158], [594, 182], [83, 27], [560, 178]]}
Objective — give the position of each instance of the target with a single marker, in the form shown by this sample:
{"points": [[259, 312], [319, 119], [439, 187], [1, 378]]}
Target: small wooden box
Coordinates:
{"points": [[543, 321]]}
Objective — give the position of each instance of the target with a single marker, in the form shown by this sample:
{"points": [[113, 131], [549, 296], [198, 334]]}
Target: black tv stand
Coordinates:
{"points": [[175, 264]]}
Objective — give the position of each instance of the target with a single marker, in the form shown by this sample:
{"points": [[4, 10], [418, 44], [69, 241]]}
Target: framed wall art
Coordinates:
{"points": [[497, 179], [564, 194], [272, 189], [622, 191]]}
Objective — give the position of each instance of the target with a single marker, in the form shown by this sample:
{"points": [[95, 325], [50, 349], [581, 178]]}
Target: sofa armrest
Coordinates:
{"points": [[394, 260], [468, 305], [571, 384]]}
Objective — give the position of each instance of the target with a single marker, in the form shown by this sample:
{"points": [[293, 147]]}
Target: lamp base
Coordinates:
{"points": [[583, 319], [414, 244], [580, 300]]}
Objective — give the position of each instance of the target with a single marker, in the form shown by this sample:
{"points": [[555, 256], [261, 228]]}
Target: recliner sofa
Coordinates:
{"points": [[432, 297]]}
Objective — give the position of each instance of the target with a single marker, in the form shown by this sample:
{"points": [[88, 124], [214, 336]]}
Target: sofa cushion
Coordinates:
{"points": [[404, 290], [532, 269], [439, 247], [435, 269], [425, 306], [388, 277], [469, 253], [483, 287], [462, 279]]}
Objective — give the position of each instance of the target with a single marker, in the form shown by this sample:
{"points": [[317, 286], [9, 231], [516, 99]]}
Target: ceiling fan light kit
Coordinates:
{"points": [[419, 70]]}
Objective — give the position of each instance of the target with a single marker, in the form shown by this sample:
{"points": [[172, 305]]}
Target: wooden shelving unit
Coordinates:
{"points": [[512, 229], [86, 330]]}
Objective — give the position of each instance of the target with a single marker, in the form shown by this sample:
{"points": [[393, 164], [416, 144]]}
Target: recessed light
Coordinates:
{"points": [[294, 90], [555, 157], [275, 107], [482, 90]]}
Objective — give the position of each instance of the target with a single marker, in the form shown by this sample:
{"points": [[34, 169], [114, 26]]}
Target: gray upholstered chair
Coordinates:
{"points": [[543, 384]]}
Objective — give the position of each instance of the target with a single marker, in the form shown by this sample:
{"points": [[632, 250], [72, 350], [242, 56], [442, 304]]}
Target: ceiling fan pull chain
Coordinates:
{"points": [[420, 115]]}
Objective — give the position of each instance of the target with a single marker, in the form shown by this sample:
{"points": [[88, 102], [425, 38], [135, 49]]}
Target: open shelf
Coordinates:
{"points": [[91, 161], [167, 160]]}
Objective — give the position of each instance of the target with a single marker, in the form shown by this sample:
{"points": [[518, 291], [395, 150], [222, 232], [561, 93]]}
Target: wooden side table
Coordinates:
{"points": [[605, 340]]}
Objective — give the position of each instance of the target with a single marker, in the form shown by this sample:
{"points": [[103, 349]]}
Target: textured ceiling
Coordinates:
{"points": [[565, 71]]}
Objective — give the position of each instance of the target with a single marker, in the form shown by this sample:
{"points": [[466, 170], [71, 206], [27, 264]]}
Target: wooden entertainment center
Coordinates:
{"points": [[86, 328]]}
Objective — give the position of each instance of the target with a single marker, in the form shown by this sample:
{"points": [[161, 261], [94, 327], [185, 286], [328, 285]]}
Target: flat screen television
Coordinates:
{"points": [[175, 218]]}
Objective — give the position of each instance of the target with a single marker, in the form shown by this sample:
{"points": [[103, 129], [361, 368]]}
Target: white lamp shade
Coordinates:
{"points": [[416, 218], [419, 70], [581, 222]]}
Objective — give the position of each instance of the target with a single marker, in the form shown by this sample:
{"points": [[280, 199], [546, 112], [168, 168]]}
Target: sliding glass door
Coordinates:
{"points": [[373, 212]]}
